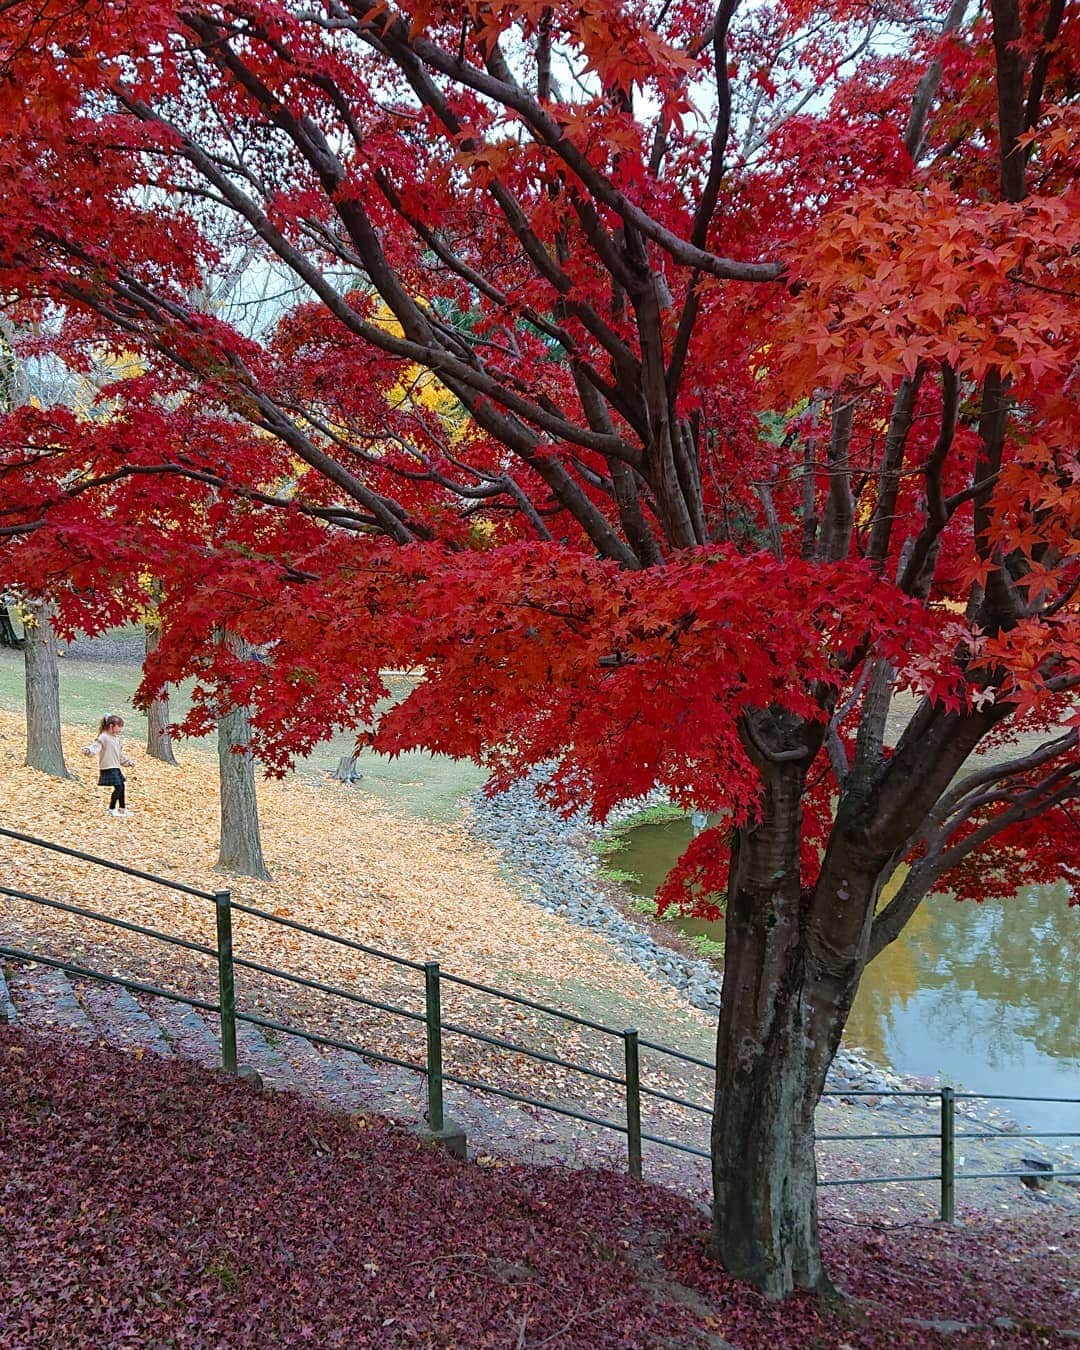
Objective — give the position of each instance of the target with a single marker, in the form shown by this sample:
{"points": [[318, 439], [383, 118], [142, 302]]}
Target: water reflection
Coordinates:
{"points": [[987, 996]]}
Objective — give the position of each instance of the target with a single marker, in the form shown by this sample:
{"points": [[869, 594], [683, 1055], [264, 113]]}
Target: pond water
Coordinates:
{"points": [[986, 997]]}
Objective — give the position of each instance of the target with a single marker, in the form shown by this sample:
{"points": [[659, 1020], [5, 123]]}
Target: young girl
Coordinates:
{"points": [[109, 748]]}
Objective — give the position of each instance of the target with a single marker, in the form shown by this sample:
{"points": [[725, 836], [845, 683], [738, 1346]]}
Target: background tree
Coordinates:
{"points": [[241, 843], [752, 341], [159, 741], [44, 749]]}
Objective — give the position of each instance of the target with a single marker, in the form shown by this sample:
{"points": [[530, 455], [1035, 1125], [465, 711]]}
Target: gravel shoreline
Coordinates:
{"points": [[547, 857], [548, 860]]}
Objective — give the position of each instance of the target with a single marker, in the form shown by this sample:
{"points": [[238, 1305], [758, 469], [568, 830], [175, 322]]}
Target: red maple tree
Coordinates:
{"points": [[685, 394]]}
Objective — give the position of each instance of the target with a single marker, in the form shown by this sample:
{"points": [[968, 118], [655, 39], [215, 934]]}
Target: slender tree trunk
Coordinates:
{"points": [[241, 845], [159, 743], [778, 1031], [346, 771], [8, 636], [44, 749]]}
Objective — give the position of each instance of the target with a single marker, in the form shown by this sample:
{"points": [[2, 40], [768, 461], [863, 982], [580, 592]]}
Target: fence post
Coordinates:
{"points": [[226, 987], [633, 1103], [948, 1155], [434, 1047]]}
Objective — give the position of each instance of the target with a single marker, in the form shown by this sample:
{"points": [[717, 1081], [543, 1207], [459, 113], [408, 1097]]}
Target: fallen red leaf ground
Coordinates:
{"points": [[146, 1202]]}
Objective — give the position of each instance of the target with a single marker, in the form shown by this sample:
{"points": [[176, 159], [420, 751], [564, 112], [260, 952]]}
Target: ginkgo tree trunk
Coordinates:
{"points": [[159, 741], [682, 428], [44, 748], [240, 838]]}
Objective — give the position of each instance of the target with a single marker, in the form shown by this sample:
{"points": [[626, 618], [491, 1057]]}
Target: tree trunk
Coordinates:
{"points": [[777, 1034], [8, 635], [346, 771], [792, 964], [44, 749], [765, 1226], [241, 846], [159, 743]]}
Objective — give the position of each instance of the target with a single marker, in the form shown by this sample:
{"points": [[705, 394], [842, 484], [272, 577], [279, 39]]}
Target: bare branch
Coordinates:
{"points": [[915, 133], [954, 804], [1061, 786]]}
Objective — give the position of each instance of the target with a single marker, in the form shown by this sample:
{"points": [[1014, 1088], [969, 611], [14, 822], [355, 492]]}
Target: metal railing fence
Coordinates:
{"points": [[435, 1026]]}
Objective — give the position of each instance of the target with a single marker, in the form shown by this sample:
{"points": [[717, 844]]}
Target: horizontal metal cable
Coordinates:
{"points": [[670, 1143], [679, 1101], [327, 988], [833, 1138], [878, 1181], [532, 1054], [241, 908], [677, 1054], [530, 1003], [70, 968], [200, 947], [1008, 1134], [319, 1039], [1019, 1172], [885, 1092], [1011, 1097], [106, 862], [496, 1041], [533, 1101]]}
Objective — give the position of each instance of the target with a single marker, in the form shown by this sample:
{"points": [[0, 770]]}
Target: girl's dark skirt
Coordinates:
{"points": [[113, 778]]}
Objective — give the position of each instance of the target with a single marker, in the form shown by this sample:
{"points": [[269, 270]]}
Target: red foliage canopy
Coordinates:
{"points": [[653, 388]]}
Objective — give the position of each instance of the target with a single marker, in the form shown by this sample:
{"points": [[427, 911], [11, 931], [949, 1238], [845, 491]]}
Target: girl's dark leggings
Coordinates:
{"points": [[117, 798]]}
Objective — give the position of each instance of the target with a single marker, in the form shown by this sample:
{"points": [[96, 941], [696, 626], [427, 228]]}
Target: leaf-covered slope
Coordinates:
{"points": [[149, 1202]]}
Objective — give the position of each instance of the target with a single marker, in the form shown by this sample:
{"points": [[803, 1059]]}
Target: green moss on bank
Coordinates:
{"points": [[614, 840], [611, 843]]}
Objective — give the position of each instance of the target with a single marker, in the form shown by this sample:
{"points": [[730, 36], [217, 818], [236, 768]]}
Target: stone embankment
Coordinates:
{"points": [[548, 858]]}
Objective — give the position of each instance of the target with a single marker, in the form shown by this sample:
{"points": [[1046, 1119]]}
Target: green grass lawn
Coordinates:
{"points": [[428, 786], [87, 690]]}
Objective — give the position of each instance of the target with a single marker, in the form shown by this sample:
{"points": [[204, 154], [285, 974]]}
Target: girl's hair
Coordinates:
{"points": [[110, 720]]}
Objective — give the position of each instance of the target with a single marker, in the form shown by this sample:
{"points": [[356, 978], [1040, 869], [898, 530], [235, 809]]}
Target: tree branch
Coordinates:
{"points": [[394, 36], [892, 463], [915, 133], [1060, 786], [835, 539], [953, 804]]}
